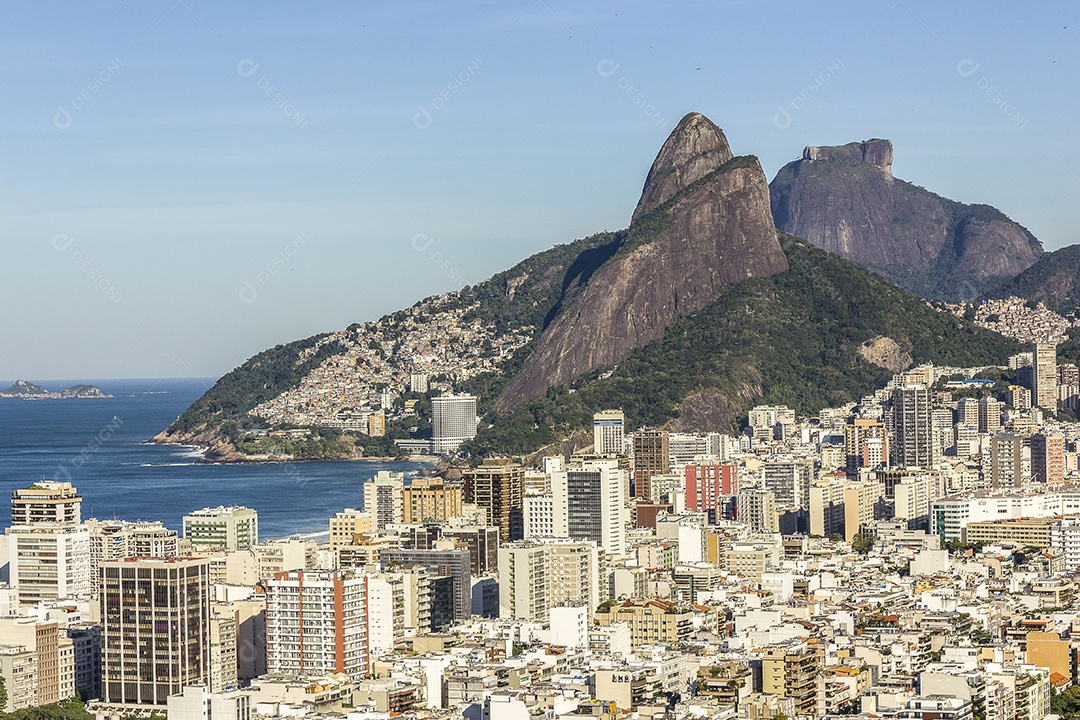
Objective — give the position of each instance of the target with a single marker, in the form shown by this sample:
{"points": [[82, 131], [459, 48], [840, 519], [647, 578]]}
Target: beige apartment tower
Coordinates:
{"points": [[1044, 376]]}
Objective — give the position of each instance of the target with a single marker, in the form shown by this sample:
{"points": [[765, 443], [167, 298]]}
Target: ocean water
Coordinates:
{"points": [[99, 446]]}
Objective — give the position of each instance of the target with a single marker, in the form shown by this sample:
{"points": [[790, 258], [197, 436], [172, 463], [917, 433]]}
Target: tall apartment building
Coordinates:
{"points": [[452, 598], [608, 432], [48, 547], [535, 576], [1048, 458], [430, 500], [49, 561], [118, 539], [1044, 376], [386, 612], [46, 502], [54, 658], [1007, 461], [498, 486], [651, 457], [858, 435], [686, 448], [347, 524], [384, 498], [222, 528], [1018, 397], [967, 411], [791, 670], [989, 415], [711, 489], [789, 481], [316, 623], [595, 504], [18, 667], [419, 382], [453, 421], [912, 427], [756, 507], [155, 625]]}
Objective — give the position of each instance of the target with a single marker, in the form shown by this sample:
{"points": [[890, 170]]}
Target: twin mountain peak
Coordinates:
{"points": [[708, 221]]}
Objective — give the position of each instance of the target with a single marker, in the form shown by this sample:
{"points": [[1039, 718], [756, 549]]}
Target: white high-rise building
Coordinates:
{"points": [[595, 500], [608, 429], [333, 636], [222, 528], [46, 502], [386, 612], [49, 561], [537, 575], [453, 421], [384, 498]]}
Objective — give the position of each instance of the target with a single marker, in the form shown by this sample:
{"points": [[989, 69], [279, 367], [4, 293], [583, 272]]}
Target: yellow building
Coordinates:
{"points": [[1048, 650], [431, 499], [1026, 531], [650, 621], [792, 671], [346, 525]]}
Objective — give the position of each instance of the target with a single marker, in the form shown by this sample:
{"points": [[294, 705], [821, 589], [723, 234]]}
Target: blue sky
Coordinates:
{"points": [[184, 183]]}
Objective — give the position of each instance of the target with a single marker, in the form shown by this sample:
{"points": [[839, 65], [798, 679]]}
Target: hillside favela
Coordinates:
{"points": [[799, 449]]}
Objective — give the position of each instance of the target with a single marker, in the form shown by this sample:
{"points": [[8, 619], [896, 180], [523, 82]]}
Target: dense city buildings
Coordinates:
{"points": [[910, 556]]}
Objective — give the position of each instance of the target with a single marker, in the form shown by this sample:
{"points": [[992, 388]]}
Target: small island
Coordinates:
{"points": [[31, 391]]}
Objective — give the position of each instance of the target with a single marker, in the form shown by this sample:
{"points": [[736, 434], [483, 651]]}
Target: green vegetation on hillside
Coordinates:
{"points": [[526, 295], [1052, 280], [791, 338], [264, 376]]}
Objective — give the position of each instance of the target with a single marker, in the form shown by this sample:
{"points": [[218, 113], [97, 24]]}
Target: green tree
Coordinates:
{"points": [[862, 544]]}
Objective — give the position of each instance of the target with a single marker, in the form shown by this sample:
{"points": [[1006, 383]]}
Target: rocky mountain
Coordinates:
{"points": [[823, 333], [694, 313], [702, 223], [845, 199], [1053, 280]]}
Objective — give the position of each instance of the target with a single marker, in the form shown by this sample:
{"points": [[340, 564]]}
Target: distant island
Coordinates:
{"points": [[28, 390]]}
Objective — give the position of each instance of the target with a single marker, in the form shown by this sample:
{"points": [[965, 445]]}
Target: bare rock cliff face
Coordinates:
{"points": [[703, 222], [846, 200]]}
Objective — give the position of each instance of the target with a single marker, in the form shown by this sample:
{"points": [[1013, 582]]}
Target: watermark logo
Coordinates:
{"points": [[421, 243], [247, 68], [248, 292], [967, 68], [607, 68], [783, 117], [62, 120], [422, 118], [62, 242]]}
